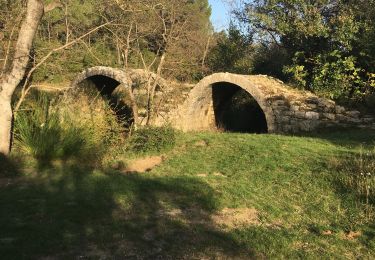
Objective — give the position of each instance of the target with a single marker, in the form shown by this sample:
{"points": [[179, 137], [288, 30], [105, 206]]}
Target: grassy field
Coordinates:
{"points": [[216, 195]]}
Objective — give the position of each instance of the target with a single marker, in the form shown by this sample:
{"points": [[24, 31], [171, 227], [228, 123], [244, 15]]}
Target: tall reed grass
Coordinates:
{"points": [[79, 128]]}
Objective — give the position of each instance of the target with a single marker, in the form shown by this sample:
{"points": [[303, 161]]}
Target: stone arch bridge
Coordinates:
{"points": [[279, 108]]}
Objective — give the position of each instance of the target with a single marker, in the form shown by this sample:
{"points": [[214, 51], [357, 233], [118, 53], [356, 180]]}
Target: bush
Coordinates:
{"points": [[153, 139], [44, 133]]}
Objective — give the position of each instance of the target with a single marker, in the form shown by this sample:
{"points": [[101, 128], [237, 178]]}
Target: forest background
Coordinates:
{"points": [[325, 46]]}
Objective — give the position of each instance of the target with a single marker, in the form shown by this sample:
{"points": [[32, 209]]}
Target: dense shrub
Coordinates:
{"points": [[47, 134], [153, 139]]}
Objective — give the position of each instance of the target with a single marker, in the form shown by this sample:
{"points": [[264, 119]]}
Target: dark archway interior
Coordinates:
{"points": [[117, 101], [104, 84], [236, 110]]}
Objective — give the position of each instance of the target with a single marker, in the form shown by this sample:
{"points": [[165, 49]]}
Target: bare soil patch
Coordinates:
{"points": [[227, 218], [144, 164], [232, 218]]}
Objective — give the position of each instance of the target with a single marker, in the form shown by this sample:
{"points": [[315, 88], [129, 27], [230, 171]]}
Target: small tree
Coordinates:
{"points": [[10, 80]]}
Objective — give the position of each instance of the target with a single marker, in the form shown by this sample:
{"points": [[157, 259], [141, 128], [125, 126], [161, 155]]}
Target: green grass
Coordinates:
{"points": [[69, 211]]}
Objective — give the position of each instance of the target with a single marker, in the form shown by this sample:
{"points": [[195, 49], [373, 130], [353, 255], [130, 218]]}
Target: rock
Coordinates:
{"points": [[285, 120], [341, 118], [329, 116], [312, 106], [312, 115], [340, 109], [353, 114], [287, 128], [367, 120], [312, 100], [278, 103], [304, 126], [300, 115]]}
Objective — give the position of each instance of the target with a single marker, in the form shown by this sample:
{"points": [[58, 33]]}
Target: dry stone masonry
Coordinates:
{"points": [[287, 110]]}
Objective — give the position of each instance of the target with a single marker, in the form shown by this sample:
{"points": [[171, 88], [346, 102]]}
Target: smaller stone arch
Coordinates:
{"points": [[113, 85], [112, 73]]}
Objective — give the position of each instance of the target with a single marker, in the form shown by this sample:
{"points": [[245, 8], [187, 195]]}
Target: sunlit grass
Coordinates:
{"points": [[291, 182]]}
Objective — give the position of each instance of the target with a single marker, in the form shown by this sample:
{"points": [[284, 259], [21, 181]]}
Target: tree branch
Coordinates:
{"points": [[25, 90]]}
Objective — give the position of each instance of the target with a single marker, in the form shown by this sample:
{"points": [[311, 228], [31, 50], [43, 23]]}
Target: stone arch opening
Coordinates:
{"points": [[104, 84], [235, 110], [115, 93], [202, 110]]}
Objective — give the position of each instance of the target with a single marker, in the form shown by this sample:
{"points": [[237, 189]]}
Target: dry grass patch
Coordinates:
{"points": [[234, 218], [144, 164]]}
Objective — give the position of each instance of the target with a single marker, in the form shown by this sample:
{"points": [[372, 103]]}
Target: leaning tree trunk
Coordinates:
{"points": [[9, 82]]}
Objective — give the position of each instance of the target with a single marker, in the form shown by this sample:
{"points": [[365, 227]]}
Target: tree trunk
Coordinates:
{"points": [[134, 106], [6, 117], [8, 83], [151, 94]]}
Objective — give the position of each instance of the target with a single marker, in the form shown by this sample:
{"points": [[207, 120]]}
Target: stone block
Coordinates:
{"points": [[278, 103], [312, 106], [304, 126], [329, 116], [329, 109], [288, 113], [340, 109], [353, 114], [284, 119], [353, 120], [312, 115], [326, 103], [293, 122], [300, 114], [312, 100], [341, 118], [294, 107], [368, 120], [282, 108], [275, 98], [287, 128]]}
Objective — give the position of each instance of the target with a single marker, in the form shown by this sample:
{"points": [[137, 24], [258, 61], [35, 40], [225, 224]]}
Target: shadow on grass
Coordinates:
{"points": [[69, 212], [345, 137], [8, 167]]}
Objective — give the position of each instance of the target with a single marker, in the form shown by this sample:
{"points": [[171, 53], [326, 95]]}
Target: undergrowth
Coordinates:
{"points": [[153, 139], [65, 128]]}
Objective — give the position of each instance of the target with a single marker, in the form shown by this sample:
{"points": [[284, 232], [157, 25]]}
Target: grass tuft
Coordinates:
{"points": [[46, 134], [356, 174]]}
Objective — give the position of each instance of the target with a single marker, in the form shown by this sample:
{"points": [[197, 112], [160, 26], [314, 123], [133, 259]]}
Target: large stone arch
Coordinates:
{"points": [[287, 110], [198, 112]]}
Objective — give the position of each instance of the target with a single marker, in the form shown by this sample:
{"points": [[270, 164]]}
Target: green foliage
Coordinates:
{"points": [[270, 60], [42, 132], [333, 75], [328, 42], [153, 139], [232, 52]]}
